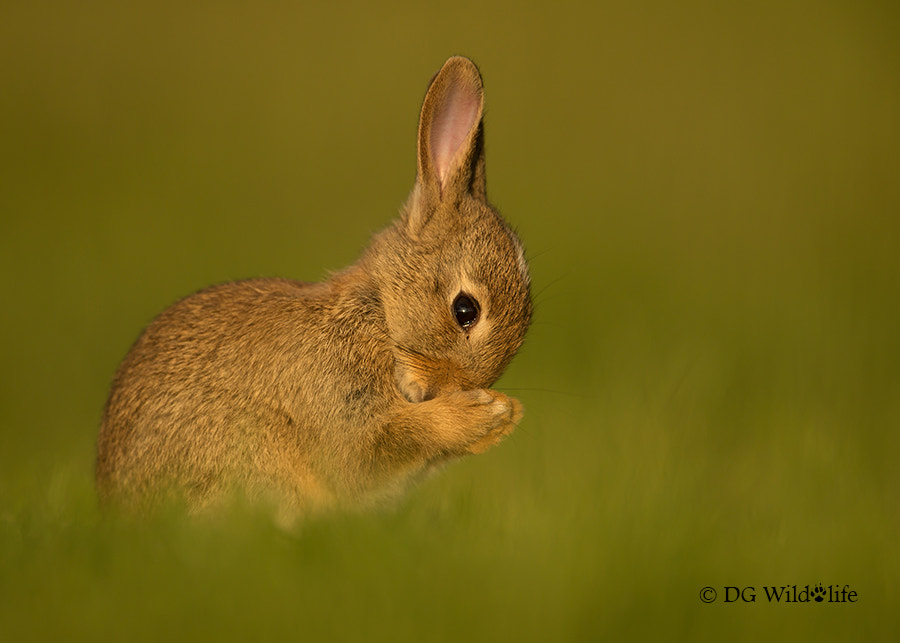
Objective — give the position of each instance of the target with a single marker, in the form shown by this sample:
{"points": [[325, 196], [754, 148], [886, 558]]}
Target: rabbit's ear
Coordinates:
{"points": [[451, 152]]}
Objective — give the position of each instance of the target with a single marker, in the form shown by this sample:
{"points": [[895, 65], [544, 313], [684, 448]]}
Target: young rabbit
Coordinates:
{"points": [[336, 394]]}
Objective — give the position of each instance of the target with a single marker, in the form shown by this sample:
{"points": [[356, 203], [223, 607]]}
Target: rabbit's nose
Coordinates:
{"points": [[450, 379], [421, 378]]}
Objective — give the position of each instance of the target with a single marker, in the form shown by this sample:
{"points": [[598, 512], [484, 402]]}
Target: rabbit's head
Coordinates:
{"points": [[451, 273]]}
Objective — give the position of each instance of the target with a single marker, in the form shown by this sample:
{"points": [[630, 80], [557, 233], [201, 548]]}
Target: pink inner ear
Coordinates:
{"points": [[453, 120]]}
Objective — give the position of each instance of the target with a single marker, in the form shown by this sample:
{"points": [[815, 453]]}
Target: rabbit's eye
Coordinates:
{"points": [[465, 309]]}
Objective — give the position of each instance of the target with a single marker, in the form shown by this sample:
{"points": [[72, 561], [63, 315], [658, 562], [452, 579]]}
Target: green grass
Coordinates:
{"points": [[711, 385]]}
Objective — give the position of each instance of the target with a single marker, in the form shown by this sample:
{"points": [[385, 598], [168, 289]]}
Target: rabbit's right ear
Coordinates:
{"points": [[450, 147]]}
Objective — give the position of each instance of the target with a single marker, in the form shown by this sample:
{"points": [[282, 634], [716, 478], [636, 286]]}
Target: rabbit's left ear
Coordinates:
{"points": [[450, 146]]}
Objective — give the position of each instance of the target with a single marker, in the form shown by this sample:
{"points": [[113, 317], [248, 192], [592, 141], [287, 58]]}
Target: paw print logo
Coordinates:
{"points": [[818, 593]]}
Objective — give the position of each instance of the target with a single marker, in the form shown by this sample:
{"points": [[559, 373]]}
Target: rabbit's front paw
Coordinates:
{"points": [[490, 416]]}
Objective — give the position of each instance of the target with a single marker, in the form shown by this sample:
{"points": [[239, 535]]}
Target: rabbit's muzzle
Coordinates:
{"points": [[420, 378]]}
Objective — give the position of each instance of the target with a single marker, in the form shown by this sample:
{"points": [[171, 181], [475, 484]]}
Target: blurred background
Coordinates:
{"points": [[709, 195]]}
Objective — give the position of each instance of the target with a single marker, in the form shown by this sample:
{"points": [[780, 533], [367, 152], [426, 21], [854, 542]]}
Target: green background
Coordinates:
{"points": [[710, 200]]}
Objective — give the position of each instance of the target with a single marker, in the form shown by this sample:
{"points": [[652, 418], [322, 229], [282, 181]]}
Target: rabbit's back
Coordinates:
{"points": [[230, 387]]}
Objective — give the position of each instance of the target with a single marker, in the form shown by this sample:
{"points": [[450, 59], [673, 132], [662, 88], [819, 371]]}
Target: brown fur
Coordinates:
{"points": [[315, 396]]}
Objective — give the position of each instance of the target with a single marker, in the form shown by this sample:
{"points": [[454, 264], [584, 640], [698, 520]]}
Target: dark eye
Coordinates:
{"points": [[465, 309]]}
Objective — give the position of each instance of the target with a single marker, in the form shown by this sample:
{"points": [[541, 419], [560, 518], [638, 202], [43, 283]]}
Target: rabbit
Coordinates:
{"points": [[321, 396]]}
